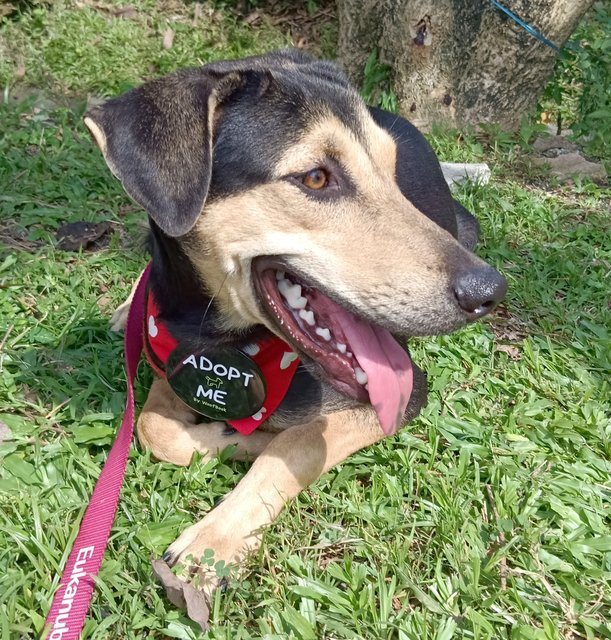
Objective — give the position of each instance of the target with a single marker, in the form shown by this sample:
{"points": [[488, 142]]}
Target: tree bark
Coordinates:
{"points": [[458, 62]]}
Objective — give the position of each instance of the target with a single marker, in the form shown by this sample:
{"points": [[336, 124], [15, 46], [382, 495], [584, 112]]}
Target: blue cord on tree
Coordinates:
{"points": [[524, 25]]}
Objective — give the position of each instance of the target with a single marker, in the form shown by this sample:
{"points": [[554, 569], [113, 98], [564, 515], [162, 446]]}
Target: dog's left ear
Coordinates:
{"points": [[157, 139]]}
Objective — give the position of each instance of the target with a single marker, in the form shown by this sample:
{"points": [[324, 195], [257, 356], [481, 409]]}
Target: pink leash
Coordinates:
{"points": [[72, 598]]}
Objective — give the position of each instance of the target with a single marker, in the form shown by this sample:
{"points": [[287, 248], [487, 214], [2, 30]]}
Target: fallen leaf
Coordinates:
{"points": [[7, 9], [506, 326], [182, 594], [80, 235], [168, 39], [252, 18], [512, 351], [104, 302], [19, 70], [125, 12]]}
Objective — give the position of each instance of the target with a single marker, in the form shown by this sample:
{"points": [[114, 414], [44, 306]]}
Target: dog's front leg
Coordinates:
{"points": [[170, 430], [295, 458]]}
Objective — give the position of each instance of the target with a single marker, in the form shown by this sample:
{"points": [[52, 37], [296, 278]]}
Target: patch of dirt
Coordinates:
{"points": [[507, 328], [305, 26], [126, 11], [14, 237]]}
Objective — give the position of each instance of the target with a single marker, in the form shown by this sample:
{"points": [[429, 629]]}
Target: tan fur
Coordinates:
{"points": [[345, 242], [286, 463], [330, 136], [98, 135], [380, 254], [169, 429], [118, 322]]}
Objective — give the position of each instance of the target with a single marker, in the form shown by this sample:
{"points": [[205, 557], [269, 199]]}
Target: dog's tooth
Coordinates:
{"points": [[341, 347], [285, 286], [324, 333], [349, 354], [308, 317], [361, 376], [298, 303], [294, 292], [293, 296]]}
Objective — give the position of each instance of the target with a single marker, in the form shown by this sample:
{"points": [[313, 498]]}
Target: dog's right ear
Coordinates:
{"points": [[157, 139]]}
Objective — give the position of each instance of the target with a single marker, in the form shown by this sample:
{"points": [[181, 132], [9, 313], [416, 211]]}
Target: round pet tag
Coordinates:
{"points": [[223, 384]]}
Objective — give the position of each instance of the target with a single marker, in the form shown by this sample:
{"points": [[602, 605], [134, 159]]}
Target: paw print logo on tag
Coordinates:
{"points": [[259, 414], [153, 331], [287, 358]]}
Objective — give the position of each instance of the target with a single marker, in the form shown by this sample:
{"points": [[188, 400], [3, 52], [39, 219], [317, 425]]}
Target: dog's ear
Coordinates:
{"points": [[157, 139], [417, 172], [468, 226]]}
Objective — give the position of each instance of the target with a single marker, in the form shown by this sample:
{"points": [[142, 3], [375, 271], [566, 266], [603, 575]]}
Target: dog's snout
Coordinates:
{"points": [[479, 290]]}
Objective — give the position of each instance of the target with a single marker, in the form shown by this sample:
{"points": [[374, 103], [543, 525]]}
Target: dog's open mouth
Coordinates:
{"points": [[360, 359]]}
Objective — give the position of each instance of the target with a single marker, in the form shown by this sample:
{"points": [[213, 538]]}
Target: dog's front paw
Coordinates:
{"points": [[210, 549]]}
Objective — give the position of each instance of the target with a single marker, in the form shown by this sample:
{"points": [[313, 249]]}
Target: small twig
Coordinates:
{"points": [[544, 466], [594, 605], [6, 335], [57, 409]]}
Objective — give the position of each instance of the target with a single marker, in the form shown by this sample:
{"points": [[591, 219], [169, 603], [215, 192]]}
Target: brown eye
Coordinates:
{"points": [[315, 179]]}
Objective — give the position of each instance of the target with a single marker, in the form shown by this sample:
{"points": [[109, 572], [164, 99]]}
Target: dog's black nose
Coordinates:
{"points": [[479, 291]]}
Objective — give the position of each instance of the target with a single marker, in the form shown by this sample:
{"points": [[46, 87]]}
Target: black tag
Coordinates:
{"points": [[223, 384]]}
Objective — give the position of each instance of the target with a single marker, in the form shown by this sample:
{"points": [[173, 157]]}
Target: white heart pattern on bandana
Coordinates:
{"points": [[259, 414], [153, 331], [287, 358], [251, 349]]}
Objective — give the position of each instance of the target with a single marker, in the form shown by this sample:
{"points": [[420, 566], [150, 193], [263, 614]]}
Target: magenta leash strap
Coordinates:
{"points": [[72, 598]]}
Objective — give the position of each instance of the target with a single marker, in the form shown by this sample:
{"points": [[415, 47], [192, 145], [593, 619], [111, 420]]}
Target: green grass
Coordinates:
{"points": [[488, 517], [96, 49]]}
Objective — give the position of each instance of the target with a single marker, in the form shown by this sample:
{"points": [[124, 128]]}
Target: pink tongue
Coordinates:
{"points": [[387, 366]]}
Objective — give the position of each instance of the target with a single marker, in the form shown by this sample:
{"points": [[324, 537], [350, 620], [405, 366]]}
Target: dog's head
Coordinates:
{"points": [[282, 191]]}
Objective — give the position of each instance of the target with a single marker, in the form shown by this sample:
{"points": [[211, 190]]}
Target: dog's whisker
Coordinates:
{"points": [[392, 126], [209, 305]]}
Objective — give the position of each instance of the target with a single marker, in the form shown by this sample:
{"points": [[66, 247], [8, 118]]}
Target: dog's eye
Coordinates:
{"points": [[315, 179]]}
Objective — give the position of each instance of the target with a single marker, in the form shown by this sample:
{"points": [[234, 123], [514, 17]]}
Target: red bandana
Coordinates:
{"points": [[277, 361]]}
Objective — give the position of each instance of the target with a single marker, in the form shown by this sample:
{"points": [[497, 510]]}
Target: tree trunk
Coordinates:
{"points": [[456, 62]]}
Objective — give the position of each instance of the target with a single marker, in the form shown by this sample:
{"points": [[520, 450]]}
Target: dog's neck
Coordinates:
{"points": [[187, 309], [173, 278]]}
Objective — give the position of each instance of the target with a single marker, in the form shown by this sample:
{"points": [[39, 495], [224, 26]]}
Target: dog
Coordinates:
{"points": [[284, 211]]}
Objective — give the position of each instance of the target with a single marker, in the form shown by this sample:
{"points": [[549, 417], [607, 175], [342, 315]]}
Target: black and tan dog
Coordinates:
{"points": [[281, 205]]}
